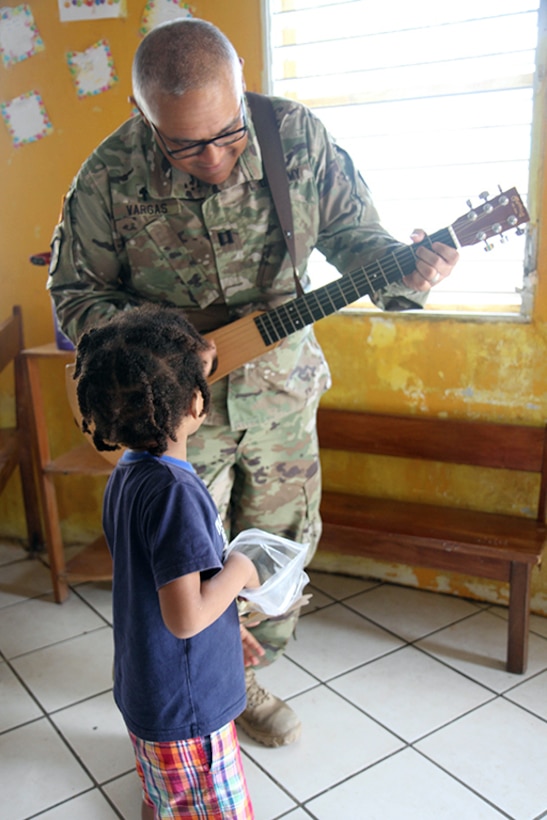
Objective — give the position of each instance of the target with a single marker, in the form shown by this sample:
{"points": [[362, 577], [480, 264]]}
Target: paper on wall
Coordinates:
{"points": [[72, 10], [19, 37], [26, 118], [162, 11], [93, 69]]}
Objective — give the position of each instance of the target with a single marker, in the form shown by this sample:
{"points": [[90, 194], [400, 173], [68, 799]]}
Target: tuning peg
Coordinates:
{"points": [[503, 199], [488, 246], [487, 208], [520, 231], [472, 214]]}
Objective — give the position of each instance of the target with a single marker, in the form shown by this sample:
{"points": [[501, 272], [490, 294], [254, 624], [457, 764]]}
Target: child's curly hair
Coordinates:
{"points": [[137, 375]]}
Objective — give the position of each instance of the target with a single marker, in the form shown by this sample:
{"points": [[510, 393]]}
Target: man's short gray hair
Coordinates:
{"points": [[180, 55]]}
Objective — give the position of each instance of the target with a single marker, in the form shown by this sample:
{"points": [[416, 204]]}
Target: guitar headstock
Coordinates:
{"points": [[495, 216]]}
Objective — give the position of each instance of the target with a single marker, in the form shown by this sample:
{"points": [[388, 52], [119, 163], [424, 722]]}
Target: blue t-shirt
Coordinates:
{"points": [[161, 523]]}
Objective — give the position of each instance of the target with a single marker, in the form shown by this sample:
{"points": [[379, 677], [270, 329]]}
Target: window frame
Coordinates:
{"points": [[524, 313]]}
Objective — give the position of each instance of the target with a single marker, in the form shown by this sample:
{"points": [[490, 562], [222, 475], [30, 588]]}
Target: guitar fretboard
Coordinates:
{"points": [[276, 324]]}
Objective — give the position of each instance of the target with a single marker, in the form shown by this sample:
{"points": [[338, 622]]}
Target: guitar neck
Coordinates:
{"points": [[280, 322]]}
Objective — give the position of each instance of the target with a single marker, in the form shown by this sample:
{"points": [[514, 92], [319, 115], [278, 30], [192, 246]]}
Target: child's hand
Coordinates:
{"points": [[252, 650]]}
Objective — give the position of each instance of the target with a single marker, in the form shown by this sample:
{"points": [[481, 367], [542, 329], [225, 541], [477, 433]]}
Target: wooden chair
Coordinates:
{"points": [[15, 444]]}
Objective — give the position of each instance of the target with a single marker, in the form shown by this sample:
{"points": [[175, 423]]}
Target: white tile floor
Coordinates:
{"points": [[408, 711]]}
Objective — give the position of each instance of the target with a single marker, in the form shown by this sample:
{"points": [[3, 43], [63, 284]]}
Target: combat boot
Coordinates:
{"points": [[267, 719]]}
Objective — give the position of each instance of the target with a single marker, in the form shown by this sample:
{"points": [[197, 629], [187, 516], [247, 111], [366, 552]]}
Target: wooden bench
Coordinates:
{"points": [[489, 545]]}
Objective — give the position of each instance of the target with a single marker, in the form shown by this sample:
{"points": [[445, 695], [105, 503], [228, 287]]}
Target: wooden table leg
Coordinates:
{"points": [[46, 489]]}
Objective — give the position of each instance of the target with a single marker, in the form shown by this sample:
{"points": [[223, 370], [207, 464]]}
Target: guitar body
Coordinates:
{"points": [[237, 343]]}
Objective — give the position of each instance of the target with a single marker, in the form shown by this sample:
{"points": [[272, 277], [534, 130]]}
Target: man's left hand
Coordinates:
{"points": [[433, 264]]}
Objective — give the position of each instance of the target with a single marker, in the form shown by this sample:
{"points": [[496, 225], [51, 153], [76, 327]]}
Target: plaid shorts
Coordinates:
{"points": [[200, 778]]}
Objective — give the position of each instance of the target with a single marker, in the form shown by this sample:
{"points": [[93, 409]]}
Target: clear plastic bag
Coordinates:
{"points": [[279, 563]]}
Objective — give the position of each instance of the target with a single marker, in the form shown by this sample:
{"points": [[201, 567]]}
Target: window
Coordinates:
{"points": [[435, 103]]}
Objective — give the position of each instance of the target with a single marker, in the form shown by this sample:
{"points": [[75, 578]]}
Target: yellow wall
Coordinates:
{"points": [[402, 364]]}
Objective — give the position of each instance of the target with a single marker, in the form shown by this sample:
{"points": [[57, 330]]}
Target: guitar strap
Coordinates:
{"points": [[269, 140]]}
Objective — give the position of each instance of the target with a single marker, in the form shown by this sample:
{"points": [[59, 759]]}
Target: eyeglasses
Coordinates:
{"points": [[198, 147]]}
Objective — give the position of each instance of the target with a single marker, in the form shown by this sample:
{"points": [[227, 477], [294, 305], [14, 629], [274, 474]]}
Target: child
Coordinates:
{"points": [[178, 670]]}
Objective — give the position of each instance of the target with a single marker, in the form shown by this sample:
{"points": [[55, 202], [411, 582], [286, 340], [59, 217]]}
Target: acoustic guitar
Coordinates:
{"points": [[248, 338]]}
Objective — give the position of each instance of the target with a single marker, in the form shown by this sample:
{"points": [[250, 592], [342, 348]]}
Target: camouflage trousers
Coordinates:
{"points": [[269, 477]]}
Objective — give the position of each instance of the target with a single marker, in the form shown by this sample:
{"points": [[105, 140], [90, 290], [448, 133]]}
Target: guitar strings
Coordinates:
{"points": [[304, 310], [275, 324]]}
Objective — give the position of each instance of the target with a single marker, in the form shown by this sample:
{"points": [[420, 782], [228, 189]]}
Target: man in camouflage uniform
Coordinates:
{"points": [[174, 207]]}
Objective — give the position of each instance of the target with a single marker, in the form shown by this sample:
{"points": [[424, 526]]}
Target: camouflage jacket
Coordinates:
{"points": [[135, 229]]}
